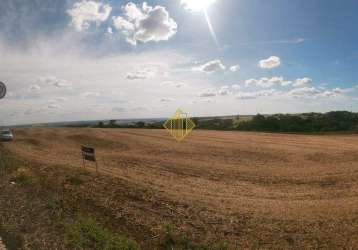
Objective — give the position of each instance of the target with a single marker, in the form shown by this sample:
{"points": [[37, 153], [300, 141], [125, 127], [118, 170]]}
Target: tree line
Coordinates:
{"points": [[336, 121], [309, 122]]}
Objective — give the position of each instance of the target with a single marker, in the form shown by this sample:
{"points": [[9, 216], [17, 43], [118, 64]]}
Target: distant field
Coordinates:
{"points": [[251, 190]]}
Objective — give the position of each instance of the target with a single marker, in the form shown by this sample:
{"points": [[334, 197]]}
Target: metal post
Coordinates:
{"points": [[2, 165]]}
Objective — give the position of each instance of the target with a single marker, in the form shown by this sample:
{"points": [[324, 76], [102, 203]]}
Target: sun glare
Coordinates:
{"points": [[197, 5]]}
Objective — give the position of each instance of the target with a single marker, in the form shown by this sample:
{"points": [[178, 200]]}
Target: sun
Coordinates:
{"points": [[197, 5]]}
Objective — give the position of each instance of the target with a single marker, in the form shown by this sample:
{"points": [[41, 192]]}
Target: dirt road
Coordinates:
{"points": [[274, 189]]}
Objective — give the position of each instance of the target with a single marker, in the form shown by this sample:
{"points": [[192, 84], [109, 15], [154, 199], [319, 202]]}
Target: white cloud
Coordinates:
{"points": [[166, 100], [145, 24], [286, 41], [235, 68], [333, 93], [207, 93], [304, 92], [236, 87], [269, 63], [90, 94], [173, 84], [31, 111], [54, 81], [211, 66], [118, 109], [122, 24], [302, 82], [132, 12], [53, 106], [60, 99], [246, 96], [35, 87], [268, 82], [141, 74], [86, 12], [313, 92], [257, 94], [224, 90], [196, 5]]}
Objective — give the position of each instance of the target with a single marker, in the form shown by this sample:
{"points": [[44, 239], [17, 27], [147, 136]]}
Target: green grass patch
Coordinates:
{"points": [[22, 178], [74, 180], [182, 242], [86, 233]]}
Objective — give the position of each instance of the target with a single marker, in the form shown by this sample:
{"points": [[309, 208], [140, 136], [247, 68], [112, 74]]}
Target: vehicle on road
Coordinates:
{"points": [[6, 135]]}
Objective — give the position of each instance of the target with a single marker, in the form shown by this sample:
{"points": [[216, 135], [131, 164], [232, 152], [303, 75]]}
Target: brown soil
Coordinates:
{"points": [[252, 190]]}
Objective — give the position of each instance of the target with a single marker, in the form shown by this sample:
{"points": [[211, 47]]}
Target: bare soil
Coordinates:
{"points": [[251, 190]]}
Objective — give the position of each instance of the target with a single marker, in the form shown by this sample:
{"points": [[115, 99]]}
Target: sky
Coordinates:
{"points": [[69, 60]]}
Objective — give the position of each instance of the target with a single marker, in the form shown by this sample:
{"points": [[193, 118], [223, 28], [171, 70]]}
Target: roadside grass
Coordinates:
{"points": [[86, 233], [8, 161], [83, 232]]}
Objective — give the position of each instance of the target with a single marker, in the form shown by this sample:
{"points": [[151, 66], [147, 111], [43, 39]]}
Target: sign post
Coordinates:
{"points": [[88, 154]]}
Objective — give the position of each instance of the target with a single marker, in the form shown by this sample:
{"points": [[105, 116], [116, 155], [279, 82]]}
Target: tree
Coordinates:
{"points": [[112, 123]]}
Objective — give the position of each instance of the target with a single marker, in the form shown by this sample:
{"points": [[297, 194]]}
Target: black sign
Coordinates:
{"points": [[88, 153], [2, 90]]}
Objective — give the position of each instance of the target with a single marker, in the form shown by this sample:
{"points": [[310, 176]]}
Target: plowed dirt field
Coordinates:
{"points": [[252, 190]]}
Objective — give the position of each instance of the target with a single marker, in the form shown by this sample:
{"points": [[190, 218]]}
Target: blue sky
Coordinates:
{"points": [[87, 59]]}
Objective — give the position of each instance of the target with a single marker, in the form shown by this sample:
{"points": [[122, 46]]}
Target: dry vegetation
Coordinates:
{"points": [[214, 189]]}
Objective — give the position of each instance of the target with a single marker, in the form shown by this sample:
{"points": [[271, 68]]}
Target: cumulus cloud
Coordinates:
{"points": [[302, 82], [266, 82], [145, 24], [269, 63], [211, 66], [235, 68], [86, 12]]}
